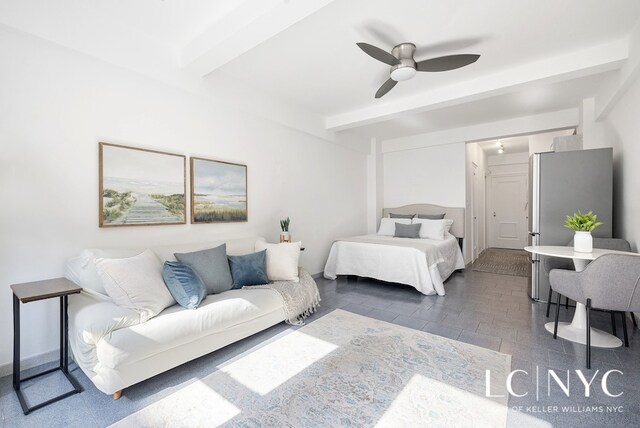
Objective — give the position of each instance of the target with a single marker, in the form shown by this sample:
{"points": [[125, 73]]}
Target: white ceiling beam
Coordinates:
{"points": [[627, 75], [513, 127], [229, 38], [595, 60]]}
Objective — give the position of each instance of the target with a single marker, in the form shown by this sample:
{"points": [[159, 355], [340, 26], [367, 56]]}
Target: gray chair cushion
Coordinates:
{"points": [[612, 282]]}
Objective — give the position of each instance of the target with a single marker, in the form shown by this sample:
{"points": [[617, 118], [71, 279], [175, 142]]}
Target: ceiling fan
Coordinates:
{"points": [[404, 67]]}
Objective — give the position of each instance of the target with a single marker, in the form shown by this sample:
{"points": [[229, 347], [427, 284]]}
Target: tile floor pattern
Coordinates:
{"points": [[488, 310]]}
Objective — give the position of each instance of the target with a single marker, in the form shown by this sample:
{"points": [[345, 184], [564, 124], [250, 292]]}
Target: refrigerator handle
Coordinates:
{"points": [[533, 234]]}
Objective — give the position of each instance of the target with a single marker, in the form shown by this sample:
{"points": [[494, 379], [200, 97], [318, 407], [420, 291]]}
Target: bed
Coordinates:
{"points": [[421, 263]]}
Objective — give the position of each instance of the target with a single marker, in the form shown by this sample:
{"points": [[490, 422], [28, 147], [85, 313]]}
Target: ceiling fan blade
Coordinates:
{"points": [[379, 54], [386, 87], [445, 63]]}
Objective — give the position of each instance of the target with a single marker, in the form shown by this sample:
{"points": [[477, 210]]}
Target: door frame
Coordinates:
{"points": [[489, 202]]}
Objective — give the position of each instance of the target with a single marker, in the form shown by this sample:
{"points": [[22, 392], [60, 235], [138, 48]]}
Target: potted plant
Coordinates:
{"points": [[583, 225], [285, 236]]}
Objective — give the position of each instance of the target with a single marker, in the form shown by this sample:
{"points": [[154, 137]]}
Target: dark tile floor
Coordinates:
{"points": [[488, 310]]}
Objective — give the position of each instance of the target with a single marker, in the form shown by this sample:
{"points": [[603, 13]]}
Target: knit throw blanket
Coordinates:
{"points": [[300, 299]]}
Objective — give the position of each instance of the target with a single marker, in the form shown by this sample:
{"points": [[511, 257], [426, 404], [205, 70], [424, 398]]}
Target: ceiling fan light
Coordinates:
{"points": [[403, 73]]}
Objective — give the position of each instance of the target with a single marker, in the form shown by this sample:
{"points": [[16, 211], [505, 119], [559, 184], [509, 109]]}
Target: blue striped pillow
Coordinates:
{"points": [[184, 284]]}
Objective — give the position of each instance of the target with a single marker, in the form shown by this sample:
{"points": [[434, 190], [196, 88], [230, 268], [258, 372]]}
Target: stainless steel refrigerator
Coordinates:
{"points": [[562, 183]]}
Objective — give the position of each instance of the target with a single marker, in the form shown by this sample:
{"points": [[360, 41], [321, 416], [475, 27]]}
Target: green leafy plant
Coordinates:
{"points": [[582, 222], [284, 224]]}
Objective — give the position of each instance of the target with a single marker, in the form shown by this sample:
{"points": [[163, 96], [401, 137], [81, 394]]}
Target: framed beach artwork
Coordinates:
{"points": [[140, 187], [218, 191]]}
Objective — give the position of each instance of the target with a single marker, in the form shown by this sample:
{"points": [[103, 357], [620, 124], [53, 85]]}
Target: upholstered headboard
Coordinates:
{"points": [[455, 214]]}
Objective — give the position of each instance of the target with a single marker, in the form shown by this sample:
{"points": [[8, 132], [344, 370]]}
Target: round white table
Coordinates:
{"points": [[575, 331]]}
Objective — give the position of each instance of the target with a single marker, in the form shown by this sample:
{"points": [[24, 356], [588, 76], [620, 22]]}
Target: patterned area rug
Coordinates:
{"points": [[503, 262], [343, 370]]}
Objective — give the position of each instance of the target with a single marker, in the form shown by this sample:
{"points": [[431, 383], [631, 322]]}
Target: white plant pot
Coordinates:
{"points": [[285, 237], [583, 242]]}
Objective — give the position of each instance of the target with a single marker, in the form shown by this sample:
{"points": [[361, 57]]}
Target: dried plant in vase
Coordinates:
{"points": [[285, 236]]}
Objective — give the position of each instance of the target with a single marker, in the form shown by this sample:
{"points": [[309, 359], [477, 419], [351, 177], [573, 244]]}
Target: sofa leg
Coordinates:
{"points": [[117, 395]]}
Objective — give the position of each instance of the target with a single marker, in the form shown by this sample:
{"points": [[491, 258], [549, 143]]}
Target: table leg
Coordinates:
{"points": [[16, 343]]}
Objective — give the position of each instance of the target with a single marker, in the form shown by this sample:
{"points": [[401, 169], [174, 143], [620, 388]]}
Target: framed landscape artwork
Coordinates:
{"points": [[218, 191], [140, 187]]}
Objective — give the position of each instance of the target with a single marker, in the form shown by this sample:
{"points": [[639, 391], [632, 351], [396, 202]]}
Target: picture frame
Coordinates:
{"points": [[140, 187], [218, 191]]}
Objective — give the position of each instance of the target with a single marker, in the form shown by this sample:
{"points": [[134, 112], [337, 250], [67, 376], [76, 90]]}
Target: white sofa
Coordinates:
{"points": [[115, 350]]}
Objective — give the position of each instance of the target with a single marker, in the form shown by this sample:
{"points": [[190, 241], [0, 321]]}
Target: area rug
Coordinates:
{"points": [[503, 262], [343, 370]]}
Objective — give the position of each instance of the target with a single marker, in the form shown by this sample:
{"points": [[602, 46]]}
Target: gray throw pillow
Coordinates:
{"points": [[211, 266], [432, 216], [407, 230], [250, 269], [392, 215]]}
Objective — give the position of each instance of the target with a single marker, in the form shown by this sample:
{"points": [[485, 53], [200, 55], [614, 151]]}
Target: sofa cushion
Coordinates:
{"points": [[212, 267], [282, 260], [250, 269], [184, 284], [136, 283], [176, 327]]}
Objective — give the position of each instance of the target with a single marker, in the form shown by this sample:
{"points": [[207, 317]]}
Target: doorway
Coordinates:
{"points": [[507, 208]]}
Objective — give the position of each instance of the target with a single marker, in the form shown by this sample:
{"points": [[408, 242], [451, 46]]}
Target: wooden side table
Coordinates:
{"points": [[31, 292]]}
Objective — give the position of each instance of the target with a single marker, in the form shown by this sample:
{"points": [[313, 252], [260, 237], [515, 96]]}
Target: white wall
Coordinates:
{"points": [[623, 130], [434, 175], [56, 105], [475, 155]]}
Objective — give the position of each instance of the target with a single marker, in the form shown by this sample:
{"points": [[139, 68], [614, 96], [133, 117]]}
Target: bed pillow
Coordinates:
{"points": [[431, 229], [136, 283], [250, 269], [447, 224], [388, 225], [432, 216], [282, 260], [184, 284], [407, 230], [211, 266], [392, 215]]}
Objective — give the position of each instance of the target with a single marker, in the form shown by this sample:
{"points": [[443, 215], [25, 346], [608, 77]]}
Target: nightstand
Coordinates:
{"points": [[31, 292]]}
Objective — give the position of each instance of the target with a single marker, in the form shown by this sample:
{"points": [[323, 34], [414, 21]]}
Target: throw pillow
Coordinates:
{"points": [[136, 283], [431, 229], [250, 269], [432, 216], [388, 225], [282, 260], [407, 230], [447, 224], [184, 284], [211, 266], [392, 215]]}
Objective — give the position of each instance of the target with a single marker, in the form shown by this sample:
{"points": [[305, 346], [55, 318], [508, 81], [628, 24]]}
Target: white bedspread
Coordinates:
{"points": [[375, 256]]}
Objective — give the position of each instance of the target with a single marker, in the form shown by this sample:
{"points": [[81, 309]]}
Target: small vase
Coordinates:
{"points": [[285, 237], [582, 242]]}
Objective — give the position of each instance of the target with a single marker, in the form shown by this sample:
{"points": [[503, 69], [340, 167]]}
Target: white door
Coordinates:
{"points": [[475, 213], [508, 211]]}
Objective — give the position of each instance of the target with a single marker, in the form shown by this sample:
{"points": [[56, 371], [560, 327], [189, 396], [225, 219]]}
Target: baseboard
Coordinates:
{"points": [[27, 363]]}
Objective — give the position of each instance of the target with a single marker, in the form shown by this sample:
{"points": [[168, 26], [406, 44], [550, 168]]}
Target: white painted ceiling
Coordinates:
{"points": [[536, 55]]}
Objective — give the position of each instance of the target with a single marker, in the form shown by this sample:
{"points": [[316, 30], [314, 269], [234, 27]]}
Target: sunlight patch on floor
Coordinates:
{"points": [[266, 368], [430, 400], [197, 405]]}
